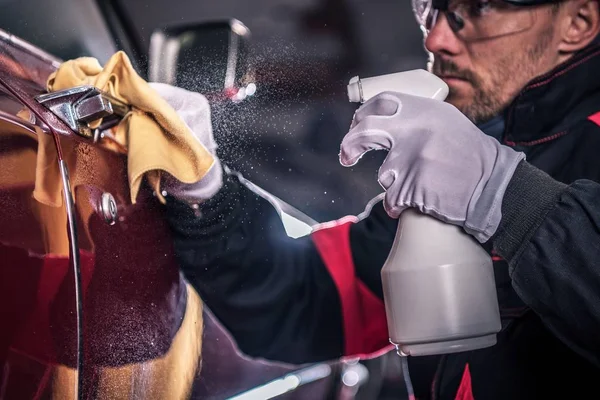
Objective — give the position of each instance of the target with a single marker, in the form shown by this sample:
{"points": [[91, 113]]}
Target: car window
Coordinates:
{"points": [[286, 138], [66, 29]]}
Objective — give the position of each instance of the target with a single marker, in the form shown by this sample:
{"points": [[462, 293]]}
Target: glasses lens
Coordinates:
{"points": [[486, 19], [476, 19]]}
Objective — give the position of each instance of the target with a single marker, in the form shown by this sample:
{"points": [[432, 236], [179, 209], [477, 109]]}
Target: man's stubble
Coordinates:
{"points": [[508, 76]]}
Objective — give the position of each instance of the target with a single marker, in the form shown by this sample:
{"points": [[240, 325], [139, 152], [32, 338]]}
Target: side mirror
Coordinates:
{"points": [[210, 58]]}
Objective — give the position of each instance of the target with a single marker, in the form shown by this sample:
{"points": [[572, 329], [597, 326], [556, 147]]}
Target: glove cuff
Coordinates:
{"points": [[197, 192], [485, 212]]}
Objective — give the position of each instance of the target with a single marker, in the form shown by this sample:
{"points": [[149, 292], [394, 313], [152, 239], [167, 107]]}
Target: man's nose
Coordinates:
{"points": [[441, 39]]}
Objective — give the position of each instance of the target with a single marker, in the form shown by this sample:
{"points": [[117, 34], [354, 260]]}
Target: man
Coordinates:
{"points": [[528, 70]]}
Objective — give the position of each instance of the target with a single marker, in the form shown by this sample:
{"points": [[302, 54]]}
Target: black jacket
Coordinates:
{"points": [[319, 297]]}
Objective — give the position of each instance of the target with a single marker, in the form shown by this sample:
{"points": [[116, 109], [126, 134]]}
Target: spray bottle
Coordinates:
{"points": [[438, 282]]}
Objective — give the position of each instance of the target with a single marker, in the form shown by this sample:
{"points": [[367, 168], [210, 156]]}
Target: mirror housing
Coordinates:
{"points": [[210, 58]]}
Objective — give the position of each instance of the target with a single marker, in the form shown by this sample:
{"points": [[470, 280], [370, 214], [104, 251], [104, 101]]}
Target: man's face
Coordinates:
{"points": [[485, 74]]}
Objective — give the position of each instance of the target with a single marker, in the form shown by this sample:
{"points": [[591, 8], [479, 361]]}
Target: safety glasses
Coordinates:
{"points": [[473, 20]]}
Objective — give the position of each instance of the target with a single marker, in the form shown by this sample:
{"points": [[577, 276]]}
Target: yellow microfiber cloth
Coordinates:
{"points": [[156, 138]]}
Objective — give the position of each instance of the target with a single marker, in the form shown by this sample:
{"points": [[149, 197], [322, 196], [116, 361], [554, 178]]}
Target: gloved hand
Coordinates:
{"points": [[438, 161], [194, 109]]}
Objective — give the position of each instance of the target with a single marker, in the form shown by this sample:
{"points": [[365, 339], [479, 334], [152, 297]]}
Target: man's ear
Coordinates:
{"points": [[582, 25]]}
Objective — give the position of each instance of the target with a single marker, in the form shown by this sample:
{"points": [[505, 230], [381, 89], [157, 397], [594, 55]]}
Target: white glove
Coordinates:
{"points": [[194, 109], [438, 161]]}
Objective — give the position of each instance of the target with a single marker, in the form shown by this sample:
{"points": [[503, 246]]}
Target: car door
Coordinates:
{"points": [[38, 307], [92, 302]]}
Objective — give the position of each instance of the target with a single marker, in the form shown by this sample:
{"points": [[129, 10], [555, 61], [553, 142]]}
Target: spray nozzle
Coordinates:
{"points": [[416, 82]]}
